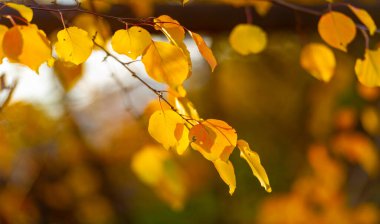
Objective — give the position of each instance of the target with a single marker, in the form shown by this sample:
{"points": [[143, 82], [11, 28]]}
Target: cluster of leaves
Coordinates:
{"points": [[176, 125]]}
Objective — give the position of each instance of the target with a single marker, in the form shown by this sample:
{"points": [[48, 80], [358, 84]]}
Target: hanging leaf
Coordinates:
{"points": [[214, 139], [131, 42], [337, 29], [73, 45], [171, 28], [227, 173], [368, 69], [253, 160], [365, 18], [157, 168], [68, 73], [24, 11], [247, 38], [319, 61], [166, 63], [168, 128], [3, 30], [95, 26], [204, 50], [27, 45]]}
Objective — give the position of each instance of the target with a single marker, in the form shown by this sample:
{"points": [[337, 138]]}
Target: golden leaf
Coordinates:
{"points": [[319, 61], [365, 18], [171, 28], [131, 42], [227, 173], [74, 45], [337, 29], [253, 160], [95, 26], [168, 128], [368, 70], [68, 73], [214, 139], [204, 50], [24, 11], [247, 38], [166, 63], [3, 30], [27, 45]]}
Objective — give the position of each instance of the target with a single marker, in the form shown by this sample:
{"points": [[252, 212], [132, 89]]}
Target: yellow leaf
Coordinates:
{"points": [[253, 160], [68, 73], [368, 70], [261, 7], [156, 168], [319, 61], [166, 63], [214, 139], [247, 39], [184, 1], [95, 26], [3, 30], [365, 18], [171, 28], [27, 45], [168, 128], [73, 45], [24, 11], [131, 42], [204, 50], [227, 173], [337, 29]]}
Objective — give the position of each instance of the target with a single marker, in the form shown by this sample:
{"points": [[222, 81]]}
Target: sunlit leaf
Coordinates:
{"points": [[3, 30], [368, 69], [166, 63], [227, 173], [95, 26], [319, 61], [68, 73], [27, 45], [156, 168], [337, 29], [131, 42], [168, 128], [214, 139], [365, 18], [171, 28], [253, 160], [74, 45], [247, 39], [204, 49], [24, 11]]}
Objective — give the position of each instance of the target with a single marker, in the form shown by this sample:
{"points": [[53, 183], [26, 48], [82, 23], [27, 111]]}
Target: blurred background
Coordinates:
{"points": [[74, 146]]}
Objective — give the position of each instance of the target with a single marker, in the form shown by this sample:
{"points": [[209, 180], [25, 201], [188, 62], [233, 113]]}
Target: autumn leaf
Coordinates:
{"points": [[214, 139], [27, 45], [247, 38], [365, 18], [68, 73], [156, 168], [368, 69], [319, 61], [227, 173], [166, 63], [131, 42], [74, 45], [253, 160], [168, 128], [337, 29], [95, 26], [171, 28], [204, 50], [3, 30], [24, 11]]}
